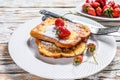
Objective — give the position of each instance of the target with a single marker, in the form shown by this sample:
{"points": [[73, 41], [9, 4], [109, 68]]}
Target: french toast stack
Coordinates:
{"points": [[51, 45]]}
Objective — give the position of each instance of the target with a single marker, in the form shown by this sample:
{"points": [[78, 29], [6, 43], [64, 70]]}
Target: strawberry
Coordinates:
{"points": [[102, 2], [85, 7], [91, 11], [87, 1], [95, 4], [107, 11], [63, 32], [116, 12], [116, 6], [111, 3], [59, 22], [78, 59], [98, 11], [91, 47]]}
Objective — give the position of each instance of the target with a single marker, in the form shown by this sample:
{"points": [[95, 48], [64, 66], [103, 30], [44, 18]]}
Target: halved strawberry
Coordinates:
{"points": [[63, 32]]}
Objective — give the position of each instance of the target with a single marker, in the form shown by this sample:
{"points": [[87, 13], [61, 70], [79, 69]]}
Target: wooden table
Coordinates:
{"points": [[16, 12]]}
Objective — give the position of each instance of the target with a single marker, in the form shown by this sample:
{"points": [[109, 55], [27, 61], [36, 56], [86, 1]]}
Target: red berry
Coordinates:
{"points": [[80, 58], [91, 44], [95, 4], [91, 47], [87, 1], [63, 32], [111, 3], [59, 22], [116, 6], [85, 7], [107, 11], [102, 2], [116, 12], [106, 7], [98, 11], [91, 11]]}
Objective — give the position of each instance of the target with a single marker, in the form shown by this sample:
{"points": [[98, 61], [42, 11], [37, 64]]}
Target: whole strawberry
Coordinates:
{"points": [[59, 22], [91, 11]]}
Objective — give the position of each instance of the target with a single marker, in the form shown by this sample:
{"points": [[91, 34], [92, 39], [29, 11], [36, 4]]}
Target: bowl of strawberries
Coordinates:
{"points": [[100, 9]]}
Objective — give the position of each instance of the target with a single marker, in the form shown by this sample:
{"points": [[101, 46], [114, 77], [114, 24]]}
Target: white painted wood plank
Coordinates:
{"points": [[37, 3], [12, 18]]}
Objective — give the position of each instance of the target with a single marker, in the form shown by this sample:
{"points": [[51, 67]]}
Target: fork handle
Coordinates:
{"points": [[45, 12], [109, 30]]}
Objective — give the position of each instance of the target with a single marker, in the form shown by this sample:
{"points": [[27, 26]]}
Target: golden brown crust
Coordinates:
{"points": [[81, 32], [51, 50]]}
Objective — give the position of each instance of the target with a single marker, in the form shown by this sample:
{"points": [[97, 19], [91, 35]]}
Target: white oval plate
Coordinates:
{"points": [[25, 56], [79, 10]]}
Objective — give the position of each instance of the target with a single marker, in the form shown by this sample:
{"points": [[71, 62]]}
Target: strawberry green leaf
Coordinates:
{"points": [[57, 32]]}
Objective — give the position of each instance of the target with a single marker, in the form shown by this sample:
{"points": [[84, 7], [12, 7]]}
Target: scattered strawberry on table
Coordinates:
{"points": [[101, 8]]}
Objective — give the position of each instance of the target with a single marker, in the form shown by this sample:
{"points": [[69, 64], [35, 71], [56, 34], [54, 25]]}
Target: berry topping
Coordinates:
{"points": [[63, 32], [59, 22]]}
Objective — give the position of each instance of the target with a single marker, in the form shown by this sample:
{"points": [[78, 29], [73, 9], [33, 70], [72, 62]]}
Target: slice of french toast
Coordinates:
{"points": [[51, 50], [46, 31]]}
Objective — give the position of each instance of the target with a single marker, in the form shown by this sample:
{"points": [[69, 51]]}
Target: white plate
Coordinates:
{"points": [[79, 10], [23, 51]]}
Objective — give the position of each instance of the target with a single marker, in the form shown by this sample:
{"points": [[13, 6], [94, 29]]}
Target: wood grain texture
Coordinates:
{"points": [[22, 76], [37, 3], [16, 12], [11, 18]]}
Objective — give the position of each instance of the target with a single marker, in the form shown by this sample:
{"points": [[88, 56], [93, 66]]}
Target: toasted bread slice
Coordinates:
{"points": [[46, 31], [51, 50]]}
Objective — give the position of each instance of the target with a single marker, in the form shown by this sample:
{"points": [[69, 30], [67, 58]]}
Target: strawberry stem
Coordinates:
{"points": [[76, 60], [70, 12], [94, 59], [91, 48], [57, 32]]}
